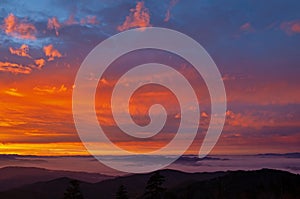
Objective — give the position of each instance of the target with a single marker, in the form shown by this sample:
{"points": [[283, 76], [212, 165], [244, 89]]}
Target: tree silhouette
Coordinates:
{"points": [[73, 191], [122, 193], [154, 189]]}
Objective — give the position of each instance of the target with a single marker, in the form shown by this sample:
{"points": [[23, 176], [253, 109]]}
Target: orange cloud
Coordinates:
{"points": [[10, 123], [53, 23], [104, 81], [296, 27], [14, 68], [22, 51], [237, 119], [247, 119], [139, 17], [252, 120], [279, 92], [204, 114], [51, 52], [61, 149], [13, 92], [292, 27], [50, 90], [19, 29], [40, 63]]}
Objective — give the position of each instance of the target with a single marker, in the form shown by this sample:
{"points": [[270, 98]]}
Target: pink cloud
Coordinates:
{"points": [[22, 51], [89, 20], [291, 27], [168, 13], [253, 120], [40, 63], [19, 29], [296, 27], [139, 17], [168, 16], [204, 114], [71, 21], [14, 68], [51, 52], [246, 27], [53, 23]]}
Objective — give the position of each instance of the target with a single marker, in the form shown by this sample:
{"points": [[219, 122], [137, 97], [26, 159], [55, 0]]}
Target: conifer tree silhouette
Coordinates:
{"points": [[73, 191], [122, 193], [154, 189]]}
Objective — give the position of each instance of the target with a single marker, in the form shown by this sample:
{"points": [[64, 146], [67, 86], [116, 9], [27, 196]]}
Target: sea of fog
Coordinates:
{"points": [[288, 162]]}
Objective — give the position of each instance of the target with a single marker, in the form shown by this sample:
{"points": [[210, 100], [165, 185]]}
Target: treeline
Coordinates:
{"points": [[260, 184], [154, 189]]}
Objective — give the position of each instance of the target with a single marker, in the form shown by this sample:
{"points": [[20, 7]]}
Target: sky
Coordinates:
{"points": [[255, 45]]}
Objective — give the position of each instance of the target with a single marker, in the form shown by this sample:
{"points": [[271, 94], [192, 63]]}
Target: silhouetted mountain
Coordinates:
{"points": [[12, 177], [261, 184], [135, 184], [51, 189], [286, 155]]}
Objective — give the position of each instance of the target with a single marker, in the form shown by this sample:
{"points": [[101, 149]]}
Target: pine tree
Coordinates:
{"points": [[73, 191], [154, 189], [122, 193]]}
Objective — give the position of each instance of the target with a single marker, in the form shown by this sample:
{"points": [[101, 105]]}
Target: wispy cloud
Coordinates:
{"points": [[13, 92], [89, 20], [22, 51], [168, 13], [291, 27], [259, 119], [14, 68], [71, 20], [54, 24], [18, 28], [139, 17], [50, 90], [10, 123], [247, 27], [51, 52]]}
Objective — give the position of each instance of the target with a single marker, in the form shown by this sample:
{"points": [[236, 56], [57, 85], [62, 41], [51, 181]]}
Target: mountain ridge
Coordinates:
{"points": [[14, 176], [265, 183]]}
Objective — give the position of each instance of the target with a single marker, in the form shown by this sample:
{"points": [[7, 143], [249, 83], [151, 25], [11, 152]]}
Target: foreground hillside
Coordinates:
{"points": [[261, 184], [13, 177]]}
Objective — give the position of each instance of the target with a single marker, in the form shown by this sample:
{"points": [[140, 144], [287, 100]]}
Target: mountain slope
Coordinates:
{"points": [[135, 185], [261, 184], [12, 177]]}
